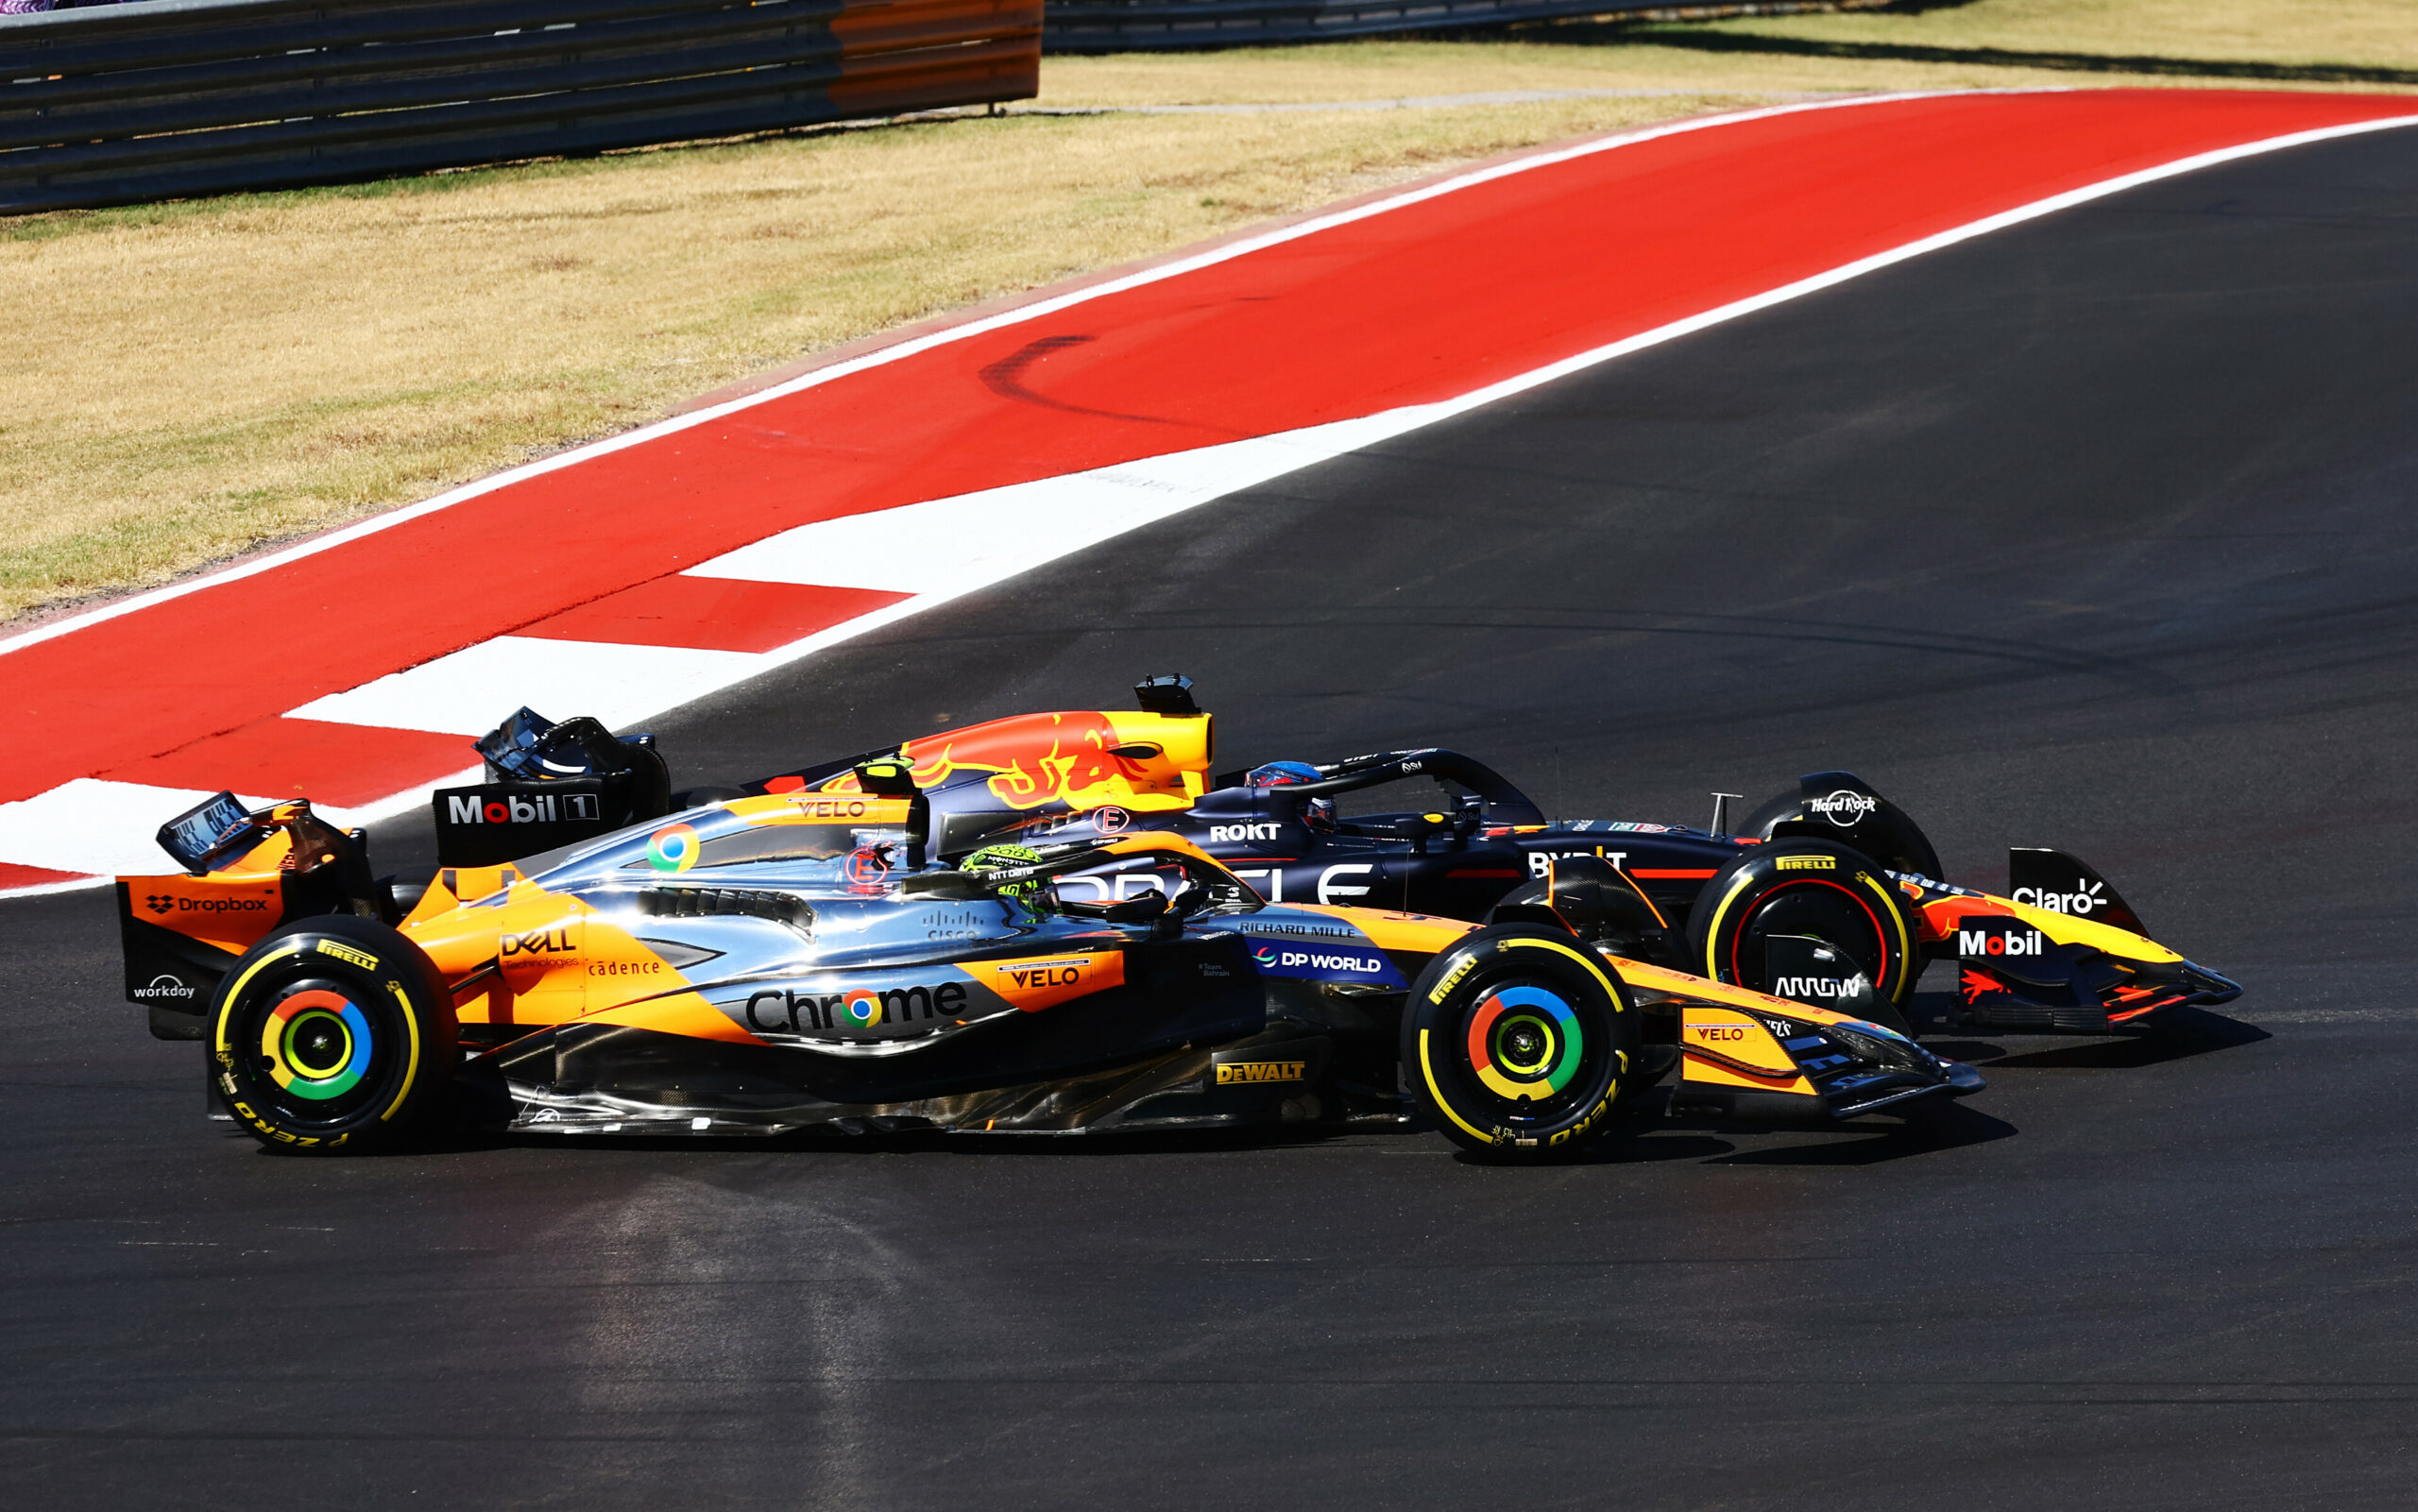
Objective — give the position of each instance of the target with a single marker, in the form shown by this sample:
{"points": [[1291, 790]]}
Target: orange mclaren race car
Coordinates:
{"points": [[1830, 872], [799, 959]]}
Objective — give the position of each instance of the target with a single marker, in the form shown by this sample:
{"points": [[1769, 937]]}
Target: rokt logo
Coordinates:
{"points": [[1845, 808], [1230, 834], [543, 809]]}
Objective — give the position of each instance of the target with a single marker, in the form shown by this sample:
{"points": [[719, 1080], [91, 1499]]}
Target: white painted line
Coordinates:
{"points": [[92, 826], [947, 547], [886, 355], [475, 690]]}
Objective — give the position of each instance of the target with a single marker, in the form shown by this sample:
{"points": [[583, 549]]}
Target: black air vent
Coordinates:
{"points": [[705, 902]]}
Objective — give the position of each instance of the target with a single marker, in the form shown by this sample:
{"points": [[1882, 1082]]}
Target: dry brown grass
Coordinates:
{"points": [[188, 381]]}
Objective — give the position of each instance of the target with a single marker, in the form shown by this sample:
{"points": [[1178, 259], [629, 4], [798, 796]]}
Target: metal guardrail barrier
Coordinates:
{"points": [[1121, 26], [122, 104]]}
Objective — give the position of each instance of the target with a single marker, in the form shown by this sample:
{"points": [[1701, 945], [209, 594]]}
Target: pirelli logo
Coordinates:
{"points": [[362, 959], [1261, 1071], [1806, 863]]}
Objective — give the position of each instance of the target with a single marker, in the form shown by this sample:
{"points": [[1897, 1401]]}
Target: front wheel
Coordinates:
{"points": [[1812, 889], [1521, 1043], [334, 1032]]}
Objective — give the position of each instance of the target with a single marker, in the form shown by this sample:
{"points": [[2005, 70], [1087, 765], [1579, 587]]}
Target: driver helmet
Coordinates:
{"points": [[1319, 814]]}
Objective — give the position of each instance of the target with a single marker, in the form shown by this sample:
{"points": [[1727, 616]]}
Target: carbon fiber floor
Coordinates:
{"points": [[2092, 533]]}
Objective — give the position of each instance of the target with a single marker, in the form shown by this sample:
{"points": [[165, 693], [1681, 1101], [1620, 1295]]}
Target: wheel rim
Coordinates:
{"points": [[316, 1052], [1525, 1043], [1822, 910], [316, 1044], [1525, 1048]]}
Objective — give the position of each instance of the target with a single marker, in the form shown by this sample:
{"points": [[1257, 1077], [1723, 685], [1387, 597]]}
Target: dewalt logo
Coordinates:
{"points": [[1250, 1071]]}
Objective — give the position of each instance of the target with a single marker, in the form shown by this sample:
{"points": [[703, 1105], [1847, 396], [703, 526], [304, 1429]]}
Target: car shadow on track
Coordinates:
{"points": [[1926, 1127], [2177, 1035]]}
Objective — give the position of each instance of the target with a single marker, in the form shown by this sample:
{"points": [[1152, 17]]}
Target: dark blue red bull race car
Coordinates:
{"points": [[1828, 894]]}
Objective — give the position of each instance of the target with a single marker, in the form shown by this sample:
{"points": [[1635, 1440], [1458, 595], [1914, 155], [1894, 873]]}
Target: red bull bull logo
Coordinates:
{"points": [[1036, 760]]}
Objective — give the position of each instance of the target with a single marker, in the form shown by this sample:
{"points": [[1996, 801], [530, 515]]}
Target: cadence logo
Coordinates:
{"points": [[1994, 942], [541, 808], [1845, 808]]}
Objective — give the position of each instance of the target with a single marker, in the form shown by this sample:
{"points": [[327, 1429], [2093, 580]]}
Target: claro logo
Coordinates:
{"points": [[861, 1009], [2092, 897]]}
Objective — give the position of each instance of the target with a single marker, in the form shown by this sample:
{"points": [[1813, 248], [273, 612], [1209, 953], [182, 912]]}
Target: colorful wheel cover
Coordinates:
{"points": [[316, 1044], [1526, 1044]]}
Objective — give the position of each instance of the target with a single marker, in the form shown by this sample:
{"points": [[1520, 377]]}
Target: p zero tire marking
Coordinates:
{"points": [[411, 1061]]}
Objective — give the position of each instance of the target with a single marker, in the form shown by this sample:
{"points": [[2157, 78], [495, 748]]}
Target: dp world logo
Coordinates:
{"points": [[1846, 810], [1265, 955]]}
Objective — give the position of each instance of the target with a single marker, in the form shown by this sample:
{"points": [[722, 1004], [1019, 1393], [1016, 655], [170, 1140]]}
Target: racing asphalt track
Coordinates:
{"points": [[2091, 533]]}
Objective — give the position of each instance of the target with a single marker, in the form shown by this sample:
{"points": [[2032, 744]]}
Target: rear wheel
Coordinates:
{"points": [[334, 1032], [1520, 1042], [1812, 889]]}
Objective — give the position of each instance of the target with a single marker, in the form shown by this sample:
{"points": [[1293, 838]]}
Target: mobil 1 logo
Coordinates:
{"points": [[504, 821]]}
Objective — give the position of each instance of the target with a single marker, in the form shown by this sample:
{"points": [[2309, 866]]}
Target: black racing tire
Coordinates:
{"points": [[334, 1033], [1520, 1044], [1816, 888]]}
